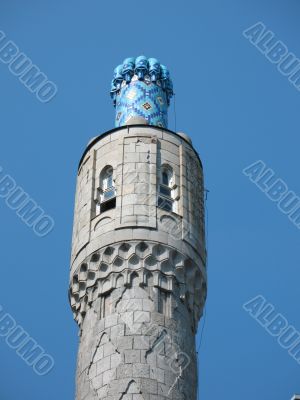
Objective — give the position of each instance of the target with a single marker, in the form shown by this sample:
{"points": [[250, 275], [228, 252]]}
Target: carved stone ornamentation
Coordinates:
{"points": [[100, 273]]}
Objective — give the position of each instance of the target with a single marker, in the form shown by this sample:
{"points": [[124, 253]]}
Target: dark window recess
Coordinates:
{"points": [[165, 191], [164, 303], [108, 205], [165, 178], [165, 198], [107, 190], [165, 204]]}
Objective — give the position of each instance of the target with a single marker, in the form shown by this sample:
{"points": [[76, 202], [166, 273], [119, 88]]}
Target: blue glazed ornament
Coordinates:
{"points": [[140, 99], [128, 69], [141, 87], [141, 67], [118, 76], [167, 83], [113, 91], [165, 76], [154, 69]]}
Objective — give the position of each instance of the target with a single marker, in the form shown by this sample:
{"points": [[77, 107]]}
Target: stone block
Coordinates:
{"points": [[157, 374], [125, 371], [108, 349], [125, 343], [141, 342], [111, 320], [98, 381], [131, 157], [163, 390], [132, 356], [157, 319], [103, 365], [118, 386], [141, 317], [102, 392], [108, 376], [148, 305], [149, 386], [141, 370], [117, 331]]}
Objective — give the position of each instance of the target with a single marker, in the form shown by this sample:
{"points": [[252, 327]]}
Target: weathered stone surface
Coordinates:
{"points": [[138, 277]]}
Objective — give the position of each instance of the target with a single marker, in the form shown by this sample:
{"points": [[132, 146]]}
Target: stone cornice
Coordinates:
{"points": [[99, 274]]}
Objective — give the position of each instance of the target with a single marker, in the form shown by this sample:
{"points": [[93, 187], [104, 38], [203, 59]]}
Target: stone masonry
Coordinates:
{"points": [[138, 278]]}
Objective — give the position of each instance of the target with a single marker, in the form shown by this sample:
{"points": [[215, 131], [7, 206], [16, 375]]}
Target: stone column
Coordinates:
{"points": [[138, 279]]}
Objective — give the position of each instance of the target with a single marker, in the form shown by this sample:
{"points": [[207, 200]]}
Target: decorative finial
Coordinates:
{"points": [[141, 89]]}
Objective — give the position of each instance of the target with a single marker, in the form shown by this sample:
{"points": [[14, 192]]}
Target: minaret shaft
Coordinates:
{"points": [[138, 278], [138, 337]]}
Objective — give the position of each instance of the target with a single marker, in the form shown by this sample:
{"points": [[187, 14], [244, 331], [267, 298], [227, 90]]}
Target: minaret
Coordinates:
{"points": [[138, 278]]}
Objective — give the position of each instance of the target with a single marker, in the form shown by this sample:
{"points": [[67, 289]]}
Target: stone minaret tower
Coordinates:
{"points": [[138, 279]]}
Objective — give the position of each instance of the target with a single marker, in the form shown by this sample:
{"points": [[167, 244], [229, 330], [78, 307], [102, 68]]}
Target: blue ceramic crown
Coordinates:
{"points": [[142, 87]]}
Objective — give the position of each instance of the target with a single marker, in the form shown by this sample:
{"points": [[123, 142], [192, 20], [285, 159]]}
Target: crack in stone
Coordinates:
{"points": [[175, 382], [120, 298], [133, 382], [156, 342], [92, 360]]}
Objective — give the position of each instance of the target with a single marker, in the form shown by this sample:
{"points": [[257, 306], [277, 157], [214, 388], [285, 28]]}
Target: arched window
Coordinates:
{"points": [[166, 184], [107, 189]]}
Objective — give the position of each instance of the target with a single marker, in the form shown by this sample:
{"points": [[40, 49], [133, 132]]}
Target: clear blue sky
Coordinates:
{"points": [[236, 107]]}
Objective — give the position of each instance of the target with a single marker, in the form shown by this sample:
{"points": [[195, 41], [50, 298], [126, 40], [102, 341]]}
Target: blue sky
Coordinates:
{"points": [[237, 108]]}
